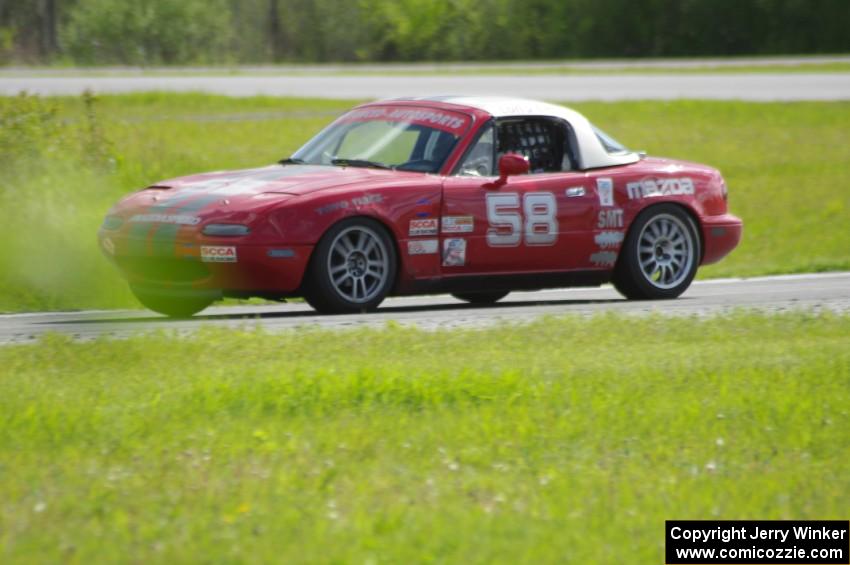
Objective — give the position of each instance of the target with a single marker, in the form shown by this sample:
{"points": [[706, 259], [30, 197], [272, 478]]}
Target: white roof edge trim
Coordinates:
{"points": [[592, 154]]}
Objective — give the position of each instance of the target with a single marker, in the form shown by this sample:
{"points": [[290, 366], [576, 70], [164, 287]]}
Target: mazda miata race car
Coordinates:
{"points": [[472, 196]]}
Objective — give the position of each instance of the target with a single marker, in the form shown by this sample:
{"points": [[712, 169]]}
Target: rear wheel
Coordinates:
{"points": [[170, 305], [486, 297], [660, 256], [352, 268]]}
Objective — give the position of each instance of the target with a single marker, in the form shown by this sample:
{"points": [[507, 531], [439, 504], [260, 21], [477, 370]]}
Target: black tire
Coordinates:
{"points": [[352, 268], [484, 297], [173, 306], [660, 256]]}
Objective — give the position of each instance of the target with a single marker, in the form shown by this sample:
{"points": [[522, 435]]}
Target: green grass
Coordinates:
{"points": [[785, 163], [569, 440]]}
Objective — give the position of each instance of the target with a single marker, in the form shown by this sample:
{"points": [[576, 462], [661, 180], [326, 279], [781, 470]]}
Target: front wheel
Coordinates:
{"points": [[170, 305], [660, 256], [352, 269], [485, 297]]}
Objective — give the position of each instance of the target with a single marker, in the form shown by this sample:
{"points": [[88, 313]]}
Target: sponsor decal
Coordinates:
{"points": [[454, 252], [368, 199], [328, 208], [280, 253], [609, 239], [605, 190], [575, 191], [425, 226], [458, 224], [218, 254], [450, 121], [345, 204], [604, 258], [610, 219], [179, 219], [422, 247], [648, 188]]}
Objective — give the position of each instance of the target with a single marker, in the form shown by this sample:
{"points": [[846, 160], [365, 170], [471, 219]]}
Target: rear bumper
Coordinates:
{"points": [[190, 268], [720, 235]]}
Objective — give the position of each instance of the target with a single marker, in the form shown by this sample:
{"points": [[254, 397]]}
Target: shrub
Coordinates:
{"points": [[147, 32]]}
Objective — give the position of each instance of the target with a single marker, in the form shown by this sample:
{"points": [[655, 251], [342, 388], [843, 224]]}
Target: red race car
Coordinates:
{"points": [[472, 196]]}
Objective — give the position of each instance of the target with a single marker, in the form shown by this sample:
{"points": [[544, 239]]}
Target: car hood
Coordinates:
{"points": [[251, 190], [287, 179]]}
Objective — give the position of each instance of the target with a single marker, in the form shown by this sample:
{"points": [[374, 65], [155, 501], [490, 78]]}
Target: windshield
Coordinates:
{"points": [[610, 144], [399, 137]]}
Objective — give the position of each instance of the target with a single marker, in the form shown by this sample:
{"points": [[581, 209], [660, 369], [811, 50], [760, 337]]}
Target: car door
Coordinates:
{"points": [[528, 224]]}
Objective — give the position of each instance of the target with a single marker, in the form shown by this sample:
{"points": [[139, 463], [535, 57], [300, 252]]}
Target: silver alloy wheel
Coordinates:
{"points": [[358, 264], [665, 251]]}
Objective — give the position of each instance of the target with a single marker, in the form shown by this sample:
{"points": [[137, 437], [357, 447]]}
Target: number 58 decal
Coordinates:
{"points": [[507, 228]]}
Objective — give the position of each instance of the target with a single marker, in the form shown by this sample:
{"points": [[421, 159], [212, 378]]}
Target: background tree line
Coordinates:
{"points": [[149, 32]]}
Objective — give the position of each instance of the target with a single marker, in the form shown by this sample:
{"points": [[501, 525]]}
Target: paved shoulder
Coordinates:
{"points": [[754, 87]]}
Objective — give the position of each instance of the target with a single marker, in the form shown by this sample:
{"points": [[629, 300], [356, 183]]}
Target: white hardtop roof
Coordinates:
{"points": [[503, 106], [592, 153]]}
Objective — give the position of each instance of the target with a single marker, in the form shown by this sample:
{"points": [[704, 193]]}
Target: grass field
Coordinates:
{"points": [[567, 440], [786, 165]]}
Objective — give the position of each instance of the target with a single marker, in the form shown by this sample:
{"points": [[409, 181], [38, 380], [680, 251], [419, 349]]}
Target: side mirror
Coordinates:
{"points": [[511, 164]]}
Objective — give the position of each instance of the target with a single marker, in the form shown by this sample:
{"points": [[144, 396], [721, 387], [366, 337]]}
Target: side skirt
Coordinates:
{"points": [[470, 283], [534, 281]]}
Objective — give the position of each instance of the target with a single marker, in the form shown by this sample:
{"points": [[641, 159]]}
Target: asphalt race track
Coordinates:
{"points": [[609, 87], [813, 292]]}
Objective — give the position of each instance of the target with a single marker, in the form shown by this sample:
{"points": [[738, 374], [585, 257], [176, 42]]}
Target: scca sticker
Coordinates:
{"points": [[425, 226], [218, 254]]}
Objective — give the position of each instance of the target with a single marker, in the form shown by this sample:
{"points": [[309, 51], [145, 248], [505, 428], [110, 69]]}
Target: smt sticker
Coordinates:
{"points": [[218, 254], [610, 219]]}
